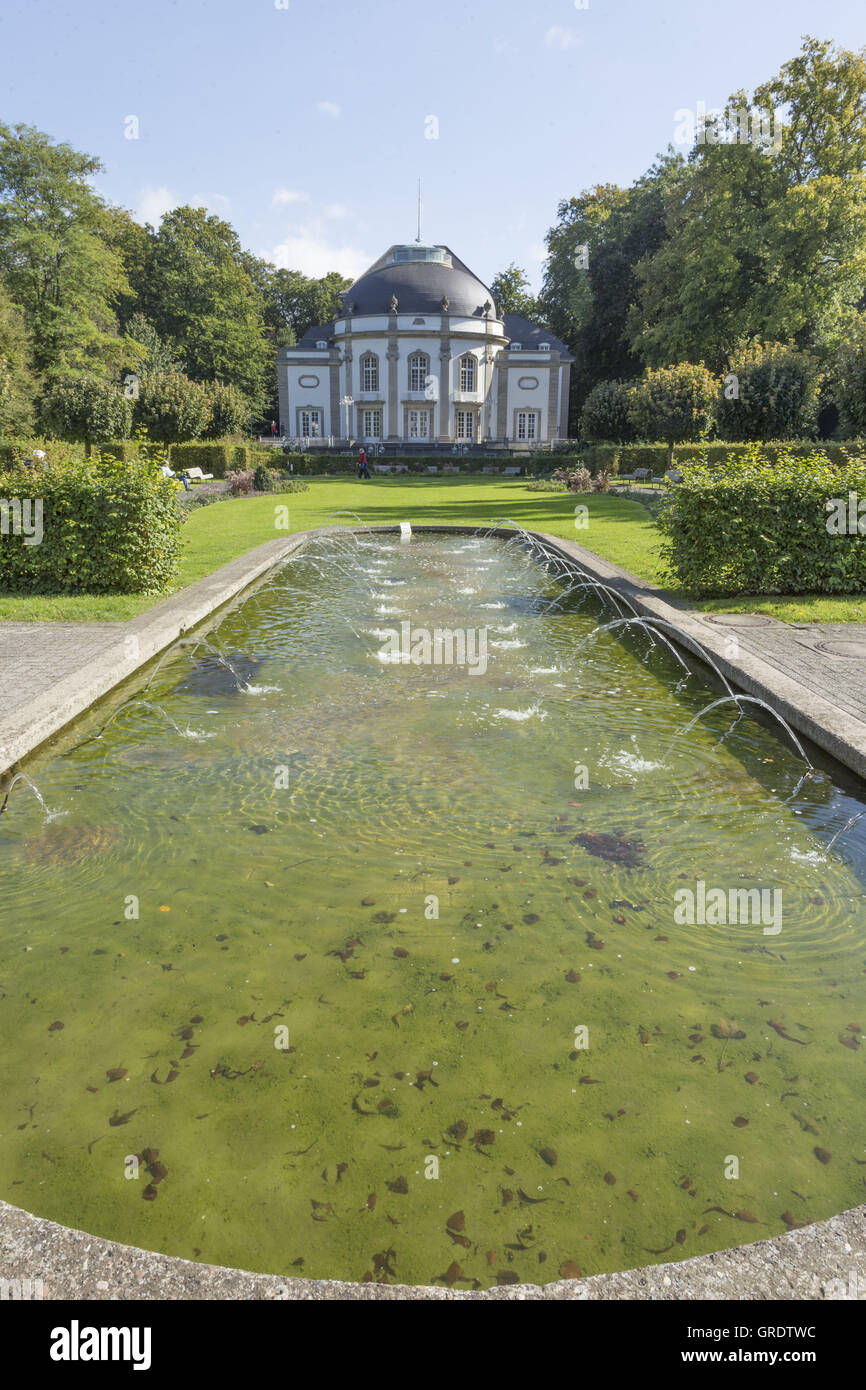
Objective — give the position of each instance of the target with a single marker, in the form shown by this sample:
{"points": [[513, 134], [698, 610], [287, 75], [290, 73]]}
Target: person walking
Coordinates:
{"points": [[363, 467]]}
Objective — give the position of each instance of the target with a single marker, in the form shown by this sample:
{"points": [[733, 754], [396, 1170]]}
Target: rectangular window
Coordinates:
{"points": [[417, 373], [311, 424], [371, 423], [419, 424], [466, 424], [527, 424], [467, 373], [370, 374]]}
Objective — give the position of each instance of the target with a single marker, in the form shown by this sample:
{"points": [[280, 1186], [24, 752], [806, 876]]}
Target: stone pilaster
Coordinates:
{"points": [[553, 396], [445, 423], [563, 402], [393, 387], [283, 392], [335, 425], [502, 400]]}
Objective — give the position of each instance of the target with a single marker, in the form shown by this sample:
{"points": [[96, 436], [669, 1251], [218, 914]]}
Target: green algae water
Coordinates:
{"points": [[319, 963]]}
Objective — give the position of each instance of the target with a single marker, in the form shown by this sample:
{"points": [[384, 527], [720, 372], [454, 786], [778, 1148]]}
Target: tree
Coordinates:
{"points": [[295, 303], [674, 403], [87, 409], [606, 412], [770, 392], [201, 299], [590, 280], [230, 410], [18, 384], [147, 348], [171, 407], [765, 242], [55, 252], [509, 292], [849, 376]]}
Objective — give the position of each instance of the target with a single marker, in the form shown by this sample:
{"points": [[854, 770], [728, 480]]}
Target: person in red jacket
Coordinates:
{"points": [[363, 469]]}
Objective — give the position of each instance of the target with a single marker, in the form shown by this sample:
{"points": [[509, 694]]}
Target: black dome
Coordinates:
{"points": [[419, 275]]}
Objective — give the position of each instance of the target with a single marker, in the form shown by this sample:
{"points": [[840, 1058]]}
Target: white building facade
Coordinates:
{"points": [[419, 356]]}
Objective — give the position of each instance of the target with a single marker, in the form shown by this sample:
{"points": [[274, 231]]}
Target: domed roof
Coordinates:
{"points": [[419, 275]]}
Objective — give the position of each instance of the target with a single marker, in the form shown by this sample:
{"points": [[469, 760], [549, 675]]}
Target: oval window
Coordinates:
{"points": [[528, 383], [308, 381]]}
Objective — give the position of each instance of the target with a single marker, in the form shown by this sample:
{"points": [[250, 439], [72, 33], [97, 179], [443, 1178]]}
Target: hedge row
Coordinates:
{"points": [[217, 456], [106, 527], [767, 527], [311, 464], [625, 458]]}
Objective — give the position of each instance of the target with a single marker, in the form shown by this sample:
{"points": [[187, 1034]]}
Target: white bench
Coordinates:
{"points": [[490, 470], [432, 468], [383, 468], [195, 475], [512, 472]]}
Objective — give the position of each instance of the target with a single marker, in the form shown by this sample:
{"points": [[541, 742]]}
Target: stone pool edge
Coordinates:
{"points": [[826, 1260]]}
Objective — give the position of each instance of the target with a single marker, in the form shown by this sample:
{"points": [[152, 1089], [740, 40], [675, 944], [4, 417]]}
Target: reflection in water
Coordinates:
{"points": [[394, 920]]}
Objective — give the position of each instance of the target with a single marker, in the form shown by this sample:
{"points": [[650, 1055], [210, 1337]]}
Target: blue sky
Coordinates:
{"points": [[306, 122]]}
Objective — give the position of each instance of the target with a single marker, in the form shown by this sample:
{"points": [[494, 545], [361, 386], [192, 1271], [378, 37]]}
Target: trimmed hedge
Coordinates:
{"points": [[108, 527], [625, 458], [219, 456], [761, 527]]}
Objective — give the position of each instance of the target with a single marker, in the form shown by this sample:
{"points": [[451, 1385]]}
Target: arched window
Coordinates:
{"points": [[369, 372], [419, 370], [468, 370]]}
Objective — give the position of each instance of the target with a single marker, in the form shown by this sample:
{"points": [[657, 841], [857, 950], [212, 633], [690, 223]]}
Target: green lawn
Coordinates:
{"points": [[620, 530]]}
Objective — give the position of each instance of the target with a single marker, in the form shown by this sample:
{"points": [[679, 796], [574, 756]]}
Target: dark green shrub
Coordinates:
{"points": [[674, 403], [770, 391], [171, 407], [606, 412], [108, 527], [230, 410], [761, 527], [263, 478]]}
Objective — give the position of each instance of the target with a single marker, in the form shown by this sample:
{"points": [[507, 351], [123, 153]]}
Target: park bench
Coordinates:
{"points": [[383, 468], [195, 475], [490, 470], [673, 475], [512, 472], [432, 468]]}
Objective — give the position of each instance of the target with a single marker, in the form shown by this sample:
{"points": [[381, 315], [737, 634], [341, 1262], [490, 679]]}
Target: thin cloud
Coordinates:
{"points": [[336, 210], [153, 204], [558, 37], [309, 251], [328, 108], [288, 195]]}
